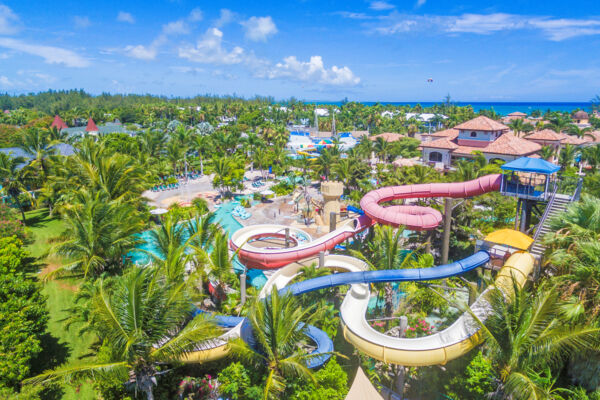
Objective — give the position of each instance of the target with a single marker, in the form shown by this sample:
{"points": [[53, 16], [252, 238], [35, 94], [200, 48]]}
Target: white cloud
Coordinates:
{"points": [[125, 17], [485, 23], [259, 28], [81, 21], [421, 2], [312, 71], [141, 52], [9, 21], [179, 27], [4, 81], [50, 54], [555, 29], [209, 50], [196, 15], [225, 17], [381, 5], [563, 28]]}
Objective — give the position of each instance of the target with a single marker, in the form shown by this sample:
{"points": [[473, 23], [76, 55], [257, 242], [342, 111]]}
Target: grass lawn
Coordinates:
{"points": [[60, 294], [41, 228]]}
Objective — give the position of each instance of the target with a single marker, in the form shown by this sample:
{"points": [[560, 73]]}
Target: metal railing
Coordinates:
{"points": [[577, 192], [538, 230]]}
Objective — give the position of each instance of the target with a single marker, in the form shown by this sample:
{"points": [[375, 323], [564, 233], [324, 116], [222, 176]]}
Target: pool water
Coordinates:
{"points": [[224, 218]]}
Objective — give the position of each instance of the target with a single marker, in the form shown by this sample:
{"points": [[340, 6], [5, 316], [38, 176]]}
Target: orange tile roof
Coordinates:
{"points": [[449, 133], [596, 135], [545, 134], [574, 140], [482, 123], [512, 145], [442, 143], [388, 136], [517, 114]]}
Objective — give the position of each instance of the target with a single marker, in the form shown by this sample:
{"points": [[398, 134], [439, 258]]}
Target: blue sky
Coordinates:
{"points": [[476, 50]]}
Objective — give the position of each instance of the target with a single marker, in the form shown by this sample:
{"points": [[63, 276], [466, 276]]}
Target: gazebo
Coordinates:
{"points": [[530, 180]]}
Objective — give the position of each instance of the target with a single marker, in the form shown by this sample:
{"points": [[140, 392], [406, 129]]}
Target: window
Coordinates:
{"points": [[435, 156], [473, 134]]}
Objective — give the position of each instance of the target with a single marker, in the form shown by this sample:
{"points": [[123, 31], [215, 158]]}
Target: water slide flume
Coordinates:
{"points": [[439, 348], [418, 218], [413, 217]]}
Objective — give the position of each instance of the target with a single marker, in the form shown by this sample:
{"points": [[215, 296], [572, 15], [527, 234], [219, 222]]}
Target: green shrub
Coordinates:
{"points": [[234, 381], [10, 223], [23, 315]]}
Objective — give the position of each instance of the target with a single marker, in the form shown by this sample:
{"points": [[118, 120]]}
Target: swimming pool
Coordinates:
{"points": [[224, 218]]}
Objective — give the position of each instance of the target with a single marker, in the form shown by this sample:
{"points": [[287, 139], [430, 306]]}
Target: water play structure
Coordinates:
{"points": [[439, 348]]}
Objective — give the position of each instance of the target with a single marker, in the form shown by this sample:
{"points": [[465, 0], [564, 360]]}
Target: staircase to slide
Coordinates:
{"points": [[557, 203]]}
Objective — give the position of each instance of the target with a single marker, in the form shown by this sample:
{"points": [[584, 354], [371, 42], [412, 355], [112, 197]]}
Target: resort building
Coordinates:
{"points": [[581, 118], [58, 123], [431, 122], [480, 134], [92, 129]]}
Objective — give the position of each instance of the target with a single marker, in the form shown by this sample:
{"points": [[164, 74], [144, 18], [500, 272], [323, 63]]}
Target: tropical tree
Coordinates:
{"points": [[99, 233], [580, 132], [527, 333], [517, 125], [279, 328], [37, 142], [14, 180], [218, 264], [384, 253], [591, 156], [566, 157], [141, 319], [547, 152]]}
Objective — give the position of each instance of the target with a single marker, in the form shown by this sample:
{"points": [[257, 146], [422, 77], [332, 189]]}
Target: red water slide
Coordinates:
{"points": [[418, 218]]}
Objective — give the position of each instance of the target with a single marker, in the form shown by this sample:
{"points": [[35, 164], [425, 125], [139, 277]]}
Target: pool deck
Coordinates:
{"points": [[202, 187]]}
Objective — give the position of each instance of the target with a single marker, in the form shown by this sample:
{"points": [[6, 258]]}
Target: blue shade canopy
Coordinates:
{"points": [[528, 164]]}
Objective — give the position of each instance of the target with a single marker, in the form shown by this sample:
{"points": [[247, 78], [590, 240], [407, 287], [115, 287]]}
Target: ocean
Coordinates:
{"points": [[502, 108]]}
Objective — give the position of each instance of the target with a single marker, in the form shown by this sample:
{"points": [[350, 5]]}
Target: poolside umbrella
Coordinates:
{"points": [[267, 192], [510, 237], [158, 211]]}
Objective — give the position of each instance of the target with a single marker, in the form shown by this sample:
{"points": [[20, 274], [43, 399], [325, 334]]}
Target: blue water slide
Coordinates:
{"points": [[320, 338], [355, 210], [395, 275]]}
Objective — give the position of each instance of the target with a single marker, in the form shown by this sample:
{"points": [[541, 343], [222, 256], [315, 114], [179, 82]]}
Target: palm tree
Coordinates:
{"points": [[203, 145], [559, 123], [278, 325], [142, 320], [581, 133], [547, 152], [382, 148], [517, 125], [14, 180], [37, 143], [218, 264], [384, 253], [567, 156], [527, 332], [591, 155], [99, 233]]}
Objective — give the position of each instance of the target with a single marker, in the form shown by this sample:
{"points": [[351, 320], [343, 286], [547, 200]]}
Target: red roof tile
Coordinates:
{"points": [[545, 134], [482, 123], [517, 114], [58, 123], [449, 133], [91, 126], [443, 143]]}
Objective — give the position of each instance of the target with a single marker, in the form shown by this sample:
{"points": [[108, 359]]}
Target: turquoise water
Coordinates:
{"points": [[224, 218]]}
